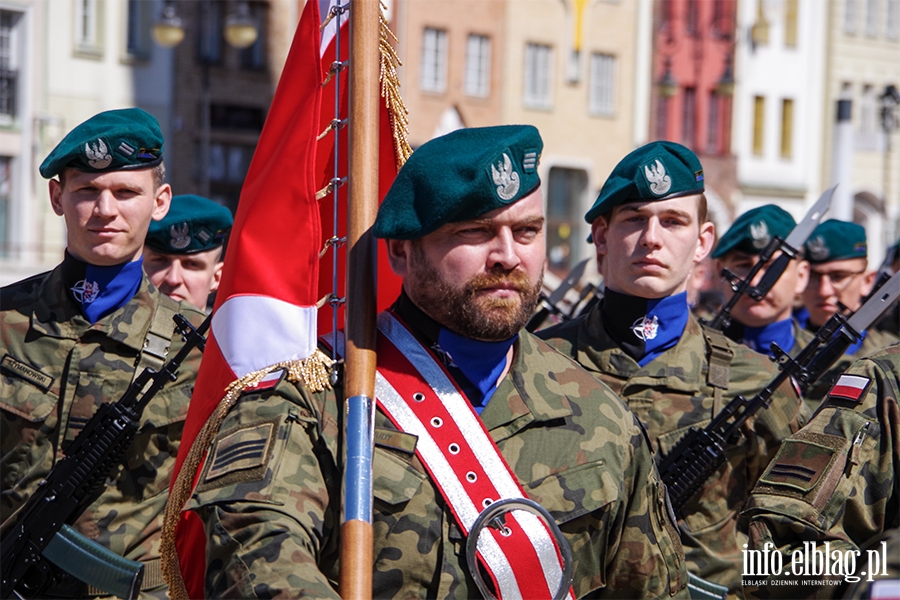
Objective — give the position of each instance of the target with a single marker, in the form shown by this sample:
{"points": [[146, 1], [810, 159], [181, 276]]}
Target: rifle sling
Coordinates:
{"points": [[159, 337], [719, 356]]}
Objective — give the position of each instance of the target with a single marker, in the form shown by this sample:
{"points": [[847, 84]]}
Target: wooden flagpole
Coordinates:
{"points": [[359, 377]]}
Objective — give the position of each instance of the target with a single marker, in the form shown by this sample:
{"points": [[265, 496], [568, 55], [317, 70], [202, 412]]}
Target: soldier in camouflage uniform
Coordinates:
{"points": [[74, 337], [758, 324], [649, 226], [838, 257], [835, 481], [464, 227]]}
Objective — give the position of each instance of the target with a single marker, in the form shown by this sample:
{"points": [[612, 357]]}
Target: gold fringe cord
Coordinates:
{"points": [[390, 91]]}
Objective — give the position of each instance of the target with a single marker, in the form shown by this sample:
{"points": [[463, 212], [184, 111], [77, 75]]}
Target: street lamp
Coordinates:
{"points": [[668, 86], [240, 30], [890, 99], [168, 31]]}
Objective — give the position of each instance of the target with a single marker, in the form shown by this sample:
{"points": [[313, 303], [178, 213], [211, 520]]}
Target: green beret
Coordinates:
{"points": [[656, 171], [193, 224], [753, 230], [836, 240], [460, 176], [114, 140]]}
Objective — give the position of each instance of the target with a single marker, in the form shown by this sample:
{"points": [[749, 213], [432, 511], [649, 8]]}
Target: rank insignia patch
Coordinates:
{"points": [[799, 465], [850, 387], [246, 448]]}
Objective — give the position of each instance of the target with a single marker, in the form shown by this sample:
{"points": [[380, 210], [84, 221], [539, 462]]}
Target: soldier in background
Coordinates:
{"points": [[837, 481], [464, 227], [838, 257], [184, 251], [650, 225], [758, 324], [77, 336]]}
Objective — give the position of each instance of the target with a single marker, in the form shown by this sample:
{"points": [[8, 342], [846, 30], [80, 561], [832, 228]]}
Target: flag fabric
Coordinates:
{"points": [[849, 387], [265, 306], [265, 310]]}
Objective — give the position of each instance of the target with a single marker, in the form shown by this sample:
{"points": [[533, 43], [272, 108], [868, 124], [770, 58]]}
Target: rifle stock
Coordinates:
{"points": [[71, 485]]}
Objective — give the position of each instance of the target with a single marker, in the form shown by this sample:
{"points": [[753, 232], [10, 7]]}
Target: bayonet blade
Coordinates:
{"points": [[810, 220], [869, 312], [568, 283]]}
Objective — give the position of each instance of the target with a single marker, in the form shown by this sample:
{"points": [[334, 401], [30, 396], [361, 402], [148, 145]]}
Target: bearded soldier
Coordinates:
{"points": [[469, 404], [649, 226]]}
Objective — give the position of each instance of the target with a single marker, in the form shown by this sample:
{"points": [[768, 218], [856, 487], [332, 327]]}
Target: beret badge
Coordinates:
{"points": [[818, 249], [659, 180], [505, 178], [181, 236], [760, 234], [97, 154]]}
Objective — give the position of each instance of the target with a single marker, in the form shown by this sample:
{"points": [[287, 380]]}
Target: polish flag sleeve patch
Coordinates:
{"points": [[850, 387]]}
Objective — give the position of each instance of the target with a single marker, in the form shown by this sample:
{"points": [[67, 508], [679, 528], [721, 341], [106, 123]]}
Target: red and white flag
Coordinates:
{"points": [[265, 310], [849, 387]]}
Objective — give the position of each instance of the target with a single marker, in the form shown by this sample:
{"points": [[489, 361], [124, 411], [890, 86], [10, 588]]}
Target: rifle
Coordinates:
{"points": [[42, 535], [702, 451], [549, 303], [790, 247]]}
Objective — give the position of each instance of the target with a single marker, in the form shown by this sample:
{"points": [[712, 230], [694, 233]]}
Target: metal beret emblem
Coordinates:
{"points": [[659, 180], [97, 154], [506, 179], [818, 249], [181, 236], [760, 234]]}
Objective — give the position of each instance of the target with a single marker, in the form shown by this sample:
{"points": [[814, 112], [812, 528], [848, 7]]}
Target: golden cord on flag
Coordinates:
{"points": [[390, 91]]}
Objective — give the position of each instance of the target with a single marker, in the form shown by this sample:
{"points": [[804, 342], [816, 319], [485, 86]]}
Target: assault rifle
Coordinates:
{"points": [[42, 536], [790, 248], [549, 304], [701, 451]]}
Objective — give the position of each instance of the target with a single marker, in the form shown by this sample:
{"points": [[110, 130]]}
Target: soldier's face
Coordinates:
{"points": [[107, 214], [190, 277], [778, 303], [844, 281], [480, 278], [648, 248]]}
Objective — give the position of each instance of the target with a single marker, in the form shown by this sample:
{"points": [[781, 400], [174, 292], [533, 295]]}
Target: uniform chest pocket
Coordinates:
{"points": [[395, 480]]}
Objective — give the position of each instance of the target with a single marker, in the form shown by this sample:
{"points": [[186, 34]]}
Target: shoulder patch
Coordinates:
{"points": [[799, 465], [850, 387], [247, 448], [21, 370]]}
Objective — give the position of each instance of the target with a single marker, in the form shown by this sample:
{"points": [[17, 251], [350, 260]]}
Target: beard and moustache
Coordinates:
{"points": [[460, 309]]}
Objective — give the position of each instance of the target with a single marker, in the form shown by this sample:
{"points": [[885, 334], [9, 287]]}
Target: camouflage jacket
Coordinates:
{"points": [[670, 394], [273, 520], [57, 369], [836, 481]]}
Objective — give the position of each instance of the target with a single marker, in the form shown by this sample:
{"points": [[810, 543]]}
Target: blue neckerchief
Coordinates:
{"points": [[480, 362], [761, 338], [802, 316], [855, 347], [105, 289], [662, 325]]}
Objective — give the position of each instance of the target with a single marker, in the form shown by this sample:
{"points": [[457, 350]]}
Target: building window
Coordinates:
{"points": [[662, 118], [254, 57], [790, 23], [850, 16], [478, 66], [434, 60], [139, 25], [538, 68], [787, 128], [5, 201], [88, 21], [689, 117], [566, 188], [759, 33], [227, 169], [9, 73], [693, 16], [759, 123], [871, 18], [211, 37], [602, 92], [892, 20], [713, 130]]}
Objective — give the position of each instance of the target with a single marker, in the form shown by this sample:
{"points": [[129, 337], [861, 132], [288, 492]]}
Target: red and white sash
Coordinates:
{"points": [[419, 397]]}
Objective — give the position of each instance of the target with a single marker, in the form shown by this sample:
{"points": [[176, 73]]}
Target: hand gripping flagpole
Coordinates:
{"points": [[359, 382]]}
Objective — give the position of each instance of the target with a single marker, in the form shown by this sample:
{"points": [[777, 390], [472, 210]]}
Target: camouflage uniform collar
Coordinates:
{"points": [[531, 395], [56, 313], [671, 369]]}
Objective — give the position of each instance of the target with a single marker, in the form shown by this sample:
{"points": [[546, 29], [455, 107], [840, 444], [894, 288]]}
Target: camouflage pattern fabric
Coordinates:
{"points": [[269, 493], [57, 369], [835, 481], [669, 395], [874, 341]]}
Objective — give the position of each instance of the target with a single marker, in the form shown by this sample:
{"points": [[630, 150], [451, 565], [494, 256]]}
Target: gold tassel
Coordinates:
{"points": [[390, 91], [312, 372]]}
